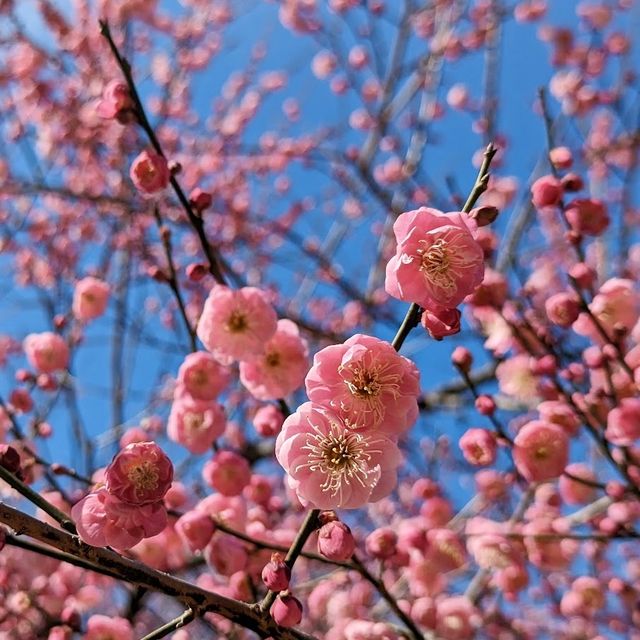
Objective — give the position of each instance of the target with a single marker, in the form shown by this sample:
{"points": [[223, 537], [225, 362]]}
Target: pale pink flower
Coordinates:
{"points": [[47, 352], [195, 529], [101, 627], [90, 298], [139, 474], [587, 216], [116, 99], [516, 379], [438, 262], [202, 376], [562, 308], [194, 424], [227, 472], [367, 383], [280, 370], [623, 422], [456, 618], [236, 324], [546, 192], [364, 472], [478, 446], [541, 451], [616, 305], [103, 520], [268, 420], [150, 173]]}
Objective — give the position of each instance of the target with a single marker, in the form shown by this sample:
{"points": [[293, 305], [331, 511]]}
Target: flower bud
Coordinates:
{"points": [[286, 610], [336, 542], [195, 529], [276, 574], [462, 359], [485, 405], [484, 215], [200, 200], [9, 458], [381, 543]]}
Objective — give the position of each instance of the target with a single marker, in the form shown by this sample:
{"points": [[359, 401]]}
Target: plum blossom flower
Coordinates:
{"points": [[47, 352], [438, 262], [236, 324], [150, 173], [367, 383], [202, 376], [280, 370], [623, 422], [541, 450], [116, 100], [441, 323], [332, 466], [227, 472], [104, 520], [90, 298], [139, 474], [195, 424]]}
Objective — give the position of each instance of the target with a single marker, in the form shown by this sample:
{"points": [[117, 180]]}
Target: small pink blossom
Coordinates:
{"points": [[236, 324], [574, 491], [441, 323], [365, 472], [478, 446], [276, 574], [546, 192], [195, 425], [587, 216], [116, 100], [268, 420], [90, 298], [335, 541], [227, 472], [101, 627], [541, 451], [280, 370], [150, 173], [103, 520], [562, 308], [623, 422], [202, 376], [226, 554], [47, 352], [438, 262], [367, 383], [286, 610], [456, 618], [195, 529], [139, 474]]}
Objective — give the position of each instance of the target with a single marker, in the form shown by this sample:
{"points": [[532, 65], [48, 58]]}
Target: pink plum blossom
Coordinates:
{"points": [[478, 446], [202, 376], [236, 325], [364, 472], [116, 99], [103, 520], [139, 474], [227, 472], [541, 451], [438, 262], [47, 352], [150, 173], [367, 383], [280, 370], [195, 425], [441, 323], [546, 192], [101, 627], [90, 298], [268, 420], [623, 422]]}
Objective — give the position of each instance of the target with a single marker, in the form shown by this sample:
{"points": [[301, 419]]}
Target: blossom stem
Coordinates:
{"points": [[173, 625]]}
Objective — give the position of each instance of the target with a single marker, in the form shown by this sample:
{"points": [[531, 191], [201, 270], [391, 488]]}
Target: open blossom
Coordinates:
{"points": [[202, 377], [332, 466], [150, 173], [236, 324], [541, 450], [90, 298], [227, 472], [281, 368], [479, 446], [47, 352], [104, 520], [438, 261], [195, 424], [367, 383], [139, 474], [101, 627]]}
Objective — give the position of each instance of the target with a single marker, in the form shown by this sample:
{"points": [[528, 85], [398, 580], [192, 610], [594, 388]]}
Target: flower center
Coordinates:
{"points": [[194, 421], [272, 359], [144, 476], [436, 262], [237, 322], [341, 456], [364, 383]]}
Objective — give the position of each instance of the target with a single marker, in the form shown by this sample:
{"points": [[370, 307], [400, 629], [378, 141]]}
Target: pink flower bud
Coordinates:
{"points": [[441, 323], [227, 472], [546, 192], [381, 543], [200, 200], [485, 405], [276, 574], [484, 215], [572, 182], [462, 359], [335, 541], [150, 173], [286, 610], [20, 400], [587, 216], [561, 157], [196, 271], [140, 474], [583, 274], [195, 529], [116, 101]]}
